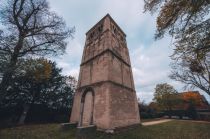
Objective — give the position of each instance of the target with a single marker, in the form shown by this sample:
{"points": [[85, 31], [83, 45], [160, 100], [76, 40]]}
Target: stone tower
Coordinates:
{"points": [[105, 95]]}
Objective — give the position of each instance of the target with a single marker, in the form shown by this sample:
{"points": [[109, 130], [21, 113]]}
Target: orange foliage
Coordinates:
{"points": [[192, 97], [38, 69], [43, 72]]}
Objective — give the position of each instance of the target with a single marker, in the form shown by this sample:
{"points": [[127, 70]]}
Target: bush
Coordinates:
{"points": [[37, 114]]}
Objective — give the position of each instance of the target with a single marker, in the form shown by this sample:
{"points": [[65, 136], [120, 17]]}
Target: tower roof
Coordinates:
{"points": [[111, 19]]}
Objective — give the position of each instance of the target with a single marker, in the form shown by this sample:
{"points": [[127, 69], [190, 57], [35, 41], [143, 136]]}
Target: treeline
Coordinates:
{"points": [[32, 88], [38, 92], [168, 102]]}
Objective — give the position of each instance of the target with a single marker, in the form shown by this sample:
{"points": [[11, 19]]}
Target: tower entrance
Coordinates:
{"points": [[86, 110]]}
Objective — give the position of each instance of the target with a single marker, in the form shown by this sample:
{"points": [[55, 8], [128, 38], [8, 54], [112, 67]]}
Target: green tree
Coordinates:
{"points": [[189, 23], [40, 82], [191, 111], [62, 96], [28, 28], [165, 96]]}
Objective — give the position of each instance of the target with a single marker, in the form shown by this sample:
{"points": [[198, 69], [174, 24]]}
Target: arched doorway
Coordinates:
{"points": [[86, 109]]}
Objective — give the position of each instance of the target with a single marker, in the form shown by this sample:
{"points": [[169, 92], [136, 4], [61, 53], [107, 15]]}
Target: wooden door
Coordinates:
{"points": [[87, 109]]}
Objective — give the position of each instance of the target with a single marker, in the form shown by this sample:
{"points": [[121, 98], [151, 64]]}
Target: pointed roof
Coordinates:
{"points": [[111, 19]]}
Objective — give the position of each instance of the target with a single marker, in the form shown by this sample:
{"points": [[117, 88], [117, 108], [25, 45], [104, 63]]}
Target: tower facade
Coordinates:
{"points": [[105, 95]]}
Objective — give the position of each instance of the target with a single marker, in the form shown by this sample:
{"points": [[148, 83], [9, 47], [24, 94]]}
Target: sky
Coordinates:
{"points": [[150, 59]]}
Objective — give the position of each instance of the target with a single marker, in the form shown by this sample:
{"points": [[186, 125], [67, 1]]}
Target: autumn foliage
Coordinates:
{"points": [[42, 71], [194, 98]]}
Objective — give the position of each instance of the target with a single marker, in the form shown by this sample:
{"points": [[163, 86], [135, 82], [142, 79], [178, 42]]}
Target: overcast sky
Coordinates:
{"points": [[149, 59]]}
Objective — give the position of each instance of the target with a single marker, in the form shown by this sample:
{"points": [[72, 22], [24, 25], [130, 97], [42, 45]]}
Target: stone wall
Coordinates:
{"points": [[114, 106], [100, 107], [124, 107]]}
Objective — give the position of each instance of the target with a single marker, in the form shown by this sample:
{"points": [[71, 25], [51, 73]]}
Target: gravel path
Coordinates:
{"points": [[156, 122]]}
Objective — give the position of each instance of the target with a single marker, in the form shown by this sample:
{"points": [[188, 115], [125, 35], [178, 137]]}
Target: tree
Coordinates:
{"points": [[165, 96], [39, 82], [189, 23], [65, 91], [29, 29], [191, 65], [175, 17], [192, 97], [35, 74]]}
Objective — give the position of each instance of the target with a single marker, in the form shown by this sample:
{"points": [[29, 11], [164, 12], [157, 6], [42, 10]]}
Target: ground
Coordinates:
{"points": [[174, 129]]}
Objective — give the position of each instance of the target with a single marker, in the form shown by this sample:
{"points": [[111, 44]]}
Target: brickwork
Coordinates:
{"points": [[106, 69]]}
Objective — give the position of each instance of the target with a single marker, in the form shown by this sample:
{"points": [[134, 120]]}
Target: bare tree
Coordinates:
{"points": [[191, 58], [188, 22], [29, 28], [191, 63]]}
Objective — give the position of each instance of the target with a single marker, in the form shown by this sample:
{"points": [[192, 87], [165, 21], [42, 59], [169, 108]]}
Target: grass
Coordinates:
{"points": [[170, 130]]}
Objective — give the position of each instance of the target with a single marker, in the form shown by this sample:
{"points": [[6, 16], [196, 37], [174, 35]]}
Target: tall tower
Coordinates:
{"points": [[105, 94]]}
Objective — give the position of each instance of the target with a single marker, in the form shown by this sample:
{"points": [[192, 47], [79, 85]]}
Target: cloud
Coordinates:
{"points": [[70, 61], [151, 67], [150, 59], [127, 13]]}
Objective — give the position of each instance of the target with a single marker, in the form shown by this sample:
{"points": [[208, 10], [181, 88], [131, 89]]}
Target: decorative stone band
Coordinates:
{"points": [[102, 53], [108, 81]]}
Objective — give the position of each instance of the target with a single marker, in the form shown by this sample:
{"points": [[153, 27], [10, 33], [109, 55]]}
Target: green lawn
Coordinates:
{"points": [[170, 130]]}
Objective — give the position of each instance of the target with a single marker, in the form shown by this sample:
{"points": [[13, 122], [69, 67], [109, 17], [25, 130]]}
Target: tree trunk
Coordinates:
{"points": [[6, 79], [7, 76], [24, 114], [27, 107]]}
